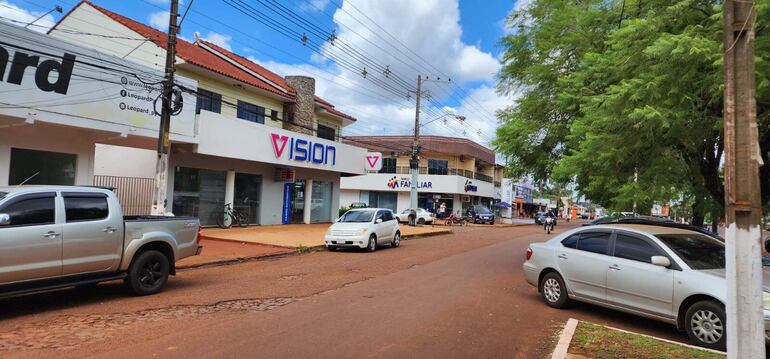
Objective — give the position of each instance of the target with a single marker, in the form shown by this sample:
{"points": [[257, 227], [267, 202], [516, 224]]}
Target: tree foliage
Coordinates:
{"points": [[613, 91]]}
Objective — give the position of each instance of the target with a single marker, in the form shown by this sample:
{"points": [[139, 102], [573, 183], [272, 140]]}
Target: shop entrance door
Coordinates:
{"points": [[248, 190], [298, 202]]}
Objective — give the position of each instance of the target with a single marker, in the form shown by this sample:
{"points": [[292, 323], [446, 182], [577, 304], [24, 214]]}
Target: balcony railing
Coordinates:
{"points": [[483, 177]]}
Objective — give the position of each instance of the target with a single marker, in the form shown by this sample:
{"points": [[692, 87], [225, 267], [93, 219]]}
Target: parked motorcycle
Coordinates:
{"points": [[453, 219], [549, 222]]}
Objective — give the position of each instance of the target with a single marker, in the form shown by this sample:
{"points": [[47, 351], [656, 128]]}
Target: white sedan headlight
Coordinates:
{"points": [[363, 230]]}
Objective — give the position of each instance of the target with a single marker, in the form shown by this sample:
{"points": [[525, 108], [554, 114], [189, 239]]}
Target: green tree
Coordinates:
{"points": [[624, 98]]}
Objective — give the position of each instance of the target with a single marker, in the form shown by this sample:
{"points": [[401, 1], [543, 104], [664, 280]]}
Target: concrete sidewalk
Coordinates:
{"points": [[220, 252], [297, 235]]}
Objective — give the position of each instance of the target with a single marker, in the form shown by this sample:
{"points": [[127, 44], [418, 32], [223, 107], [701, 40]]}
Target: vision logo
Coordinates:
{"points": [[469, 187], [303, 150], [393, 183]]}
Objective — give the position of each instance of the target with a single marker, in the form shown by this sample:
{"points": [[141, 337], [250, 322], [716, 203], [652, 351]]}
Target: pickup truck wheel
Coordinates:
{"points": [[148, 273]]}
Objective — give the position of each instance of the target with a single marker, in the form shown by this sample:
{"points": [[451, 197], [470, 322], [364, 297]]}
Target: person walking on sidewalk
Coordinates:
{"points": [[441, 209]]}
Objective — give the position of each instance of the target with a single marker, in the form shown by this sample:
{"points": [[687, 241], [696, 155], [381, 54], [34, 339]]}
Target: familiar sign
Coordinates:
{"points": [[373, 161]]}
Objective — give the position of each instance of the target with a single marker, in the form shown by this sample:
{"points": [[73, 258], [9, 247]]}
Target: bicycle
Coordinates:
{"points": [[232, 216]]}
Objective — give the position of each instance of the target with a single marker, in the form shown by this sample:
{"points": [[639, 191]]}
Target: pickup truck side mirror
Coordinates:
{"points": [[660, 261], [5, 219]]}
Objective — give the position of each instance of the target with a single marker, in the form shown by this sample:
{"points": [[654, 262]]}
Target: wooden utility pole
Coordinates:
{"points": [[160, 200], [414, 163], [745, 325]]}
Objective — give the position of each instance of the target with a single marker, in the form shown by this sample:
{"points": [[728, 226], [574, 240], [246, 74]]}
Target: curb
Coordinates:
{"points": [[565, 338], [668, 341], [427, 234], [236, 260]]}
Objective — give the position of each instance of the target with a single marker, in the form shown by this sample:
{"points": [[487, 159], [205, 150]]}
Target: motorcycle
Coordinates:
{"points": [[548, 224], [453, 219]]}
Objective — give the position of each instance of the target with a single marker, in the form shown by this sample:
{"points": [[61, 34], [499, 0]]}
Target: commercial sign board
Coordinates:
{"points": [[373, 161], [442, 184], [284, 174], [226, 136], [303, 150], [56, 81], [470, 187], [404, 182], [288, 192]]}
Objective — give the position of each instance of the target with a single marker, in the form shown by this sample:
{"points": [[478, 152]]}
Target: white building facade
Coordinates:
{"points": [[245, 135]]}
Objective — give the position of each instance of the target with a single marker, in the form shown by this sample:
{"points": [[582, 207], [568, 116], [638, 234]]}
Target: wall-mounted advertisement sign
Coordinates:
{"points": [[303, 150], [61, 82], [373, 161], [284, 174], [404, 182]]}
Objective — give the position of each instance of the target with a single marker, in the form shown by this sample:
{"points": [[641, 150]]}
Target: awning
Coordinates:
{"points": [[503, 204]]}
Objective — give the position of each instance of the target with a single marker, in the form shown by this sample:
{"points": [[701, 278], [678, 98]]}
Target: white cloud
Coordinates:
{"points": [[314, 5], [21, 17], [431, 28], [219, 39], [159, 20]]}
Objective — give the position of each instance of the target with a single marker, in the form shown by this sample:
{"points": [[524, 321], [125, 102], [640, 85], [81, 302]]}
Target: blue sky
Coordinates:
{"points": [[455, 38]]}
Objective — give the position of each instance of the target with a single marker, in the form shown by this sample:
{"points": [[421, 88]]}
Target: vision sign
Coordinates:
{"points": [[303, 150], [373, 161]]}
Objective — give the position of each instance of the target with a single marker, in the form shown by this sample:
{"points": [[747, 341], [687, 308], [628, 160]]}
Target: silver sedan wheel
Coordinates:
{"points": [[707, 326], [552, 290]]}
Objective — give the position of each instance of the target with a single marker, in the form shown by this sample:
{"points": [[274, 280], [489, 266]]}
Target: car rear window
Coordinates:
{"points": [[697, 250]]}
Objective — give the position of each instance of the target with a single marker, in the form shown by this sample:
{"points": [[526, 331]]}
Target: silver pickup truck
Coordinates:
{"points": [[56, 236]]}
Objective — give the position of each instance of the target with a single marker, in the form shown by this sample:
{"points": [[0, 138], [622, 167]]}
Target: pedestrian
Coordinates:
{"points": [[441, 209]]}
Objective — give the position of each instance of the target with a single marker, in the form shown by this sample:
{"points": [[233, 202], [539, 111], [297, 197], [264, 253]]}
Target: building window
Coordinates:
{"points": [[41, 167], [388, 165], [250, 112], [438, 167], [326, 132], [209, 101]]}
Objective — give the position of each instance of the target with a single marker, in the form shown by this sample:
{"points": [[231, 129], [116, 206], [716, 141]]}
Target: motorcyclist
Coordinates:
{"points": [[546, 216]]}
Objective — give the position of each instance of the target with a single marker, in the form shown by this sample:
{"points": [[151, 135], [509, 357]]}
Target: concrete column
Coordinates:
{"points": [[5, 164], [308, 200], [230, 187]]}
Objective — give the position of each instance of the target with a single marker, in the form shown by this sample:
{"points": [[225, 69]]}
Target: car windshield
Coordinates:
{"points": [[357, 216], [697, 250], [481, 209]]}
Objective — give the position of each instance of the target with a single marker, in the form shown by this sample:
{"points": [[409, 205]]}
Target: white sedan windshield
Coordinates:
{"points": [[697, 250], [357, 216]]}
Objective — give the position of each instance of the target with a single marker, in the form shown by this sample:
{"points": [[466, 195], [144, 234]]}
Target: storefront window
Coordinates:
{"points": [[321, 202], [248, 189], [438, 167], [199, 193], [41, 167], [388, 165], [383, 200], [432, 201]]}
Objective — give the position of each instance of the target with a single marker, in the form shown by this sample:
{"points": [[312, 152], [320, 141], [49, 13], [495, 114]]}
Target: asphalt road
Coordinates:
{"points": [[452, 296]]}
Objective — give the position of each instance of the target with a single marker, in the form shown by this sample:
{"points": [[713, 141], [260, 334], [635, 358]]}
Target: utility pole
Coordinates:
{"points": [[160, 199], [414, 163], [745, 328]]}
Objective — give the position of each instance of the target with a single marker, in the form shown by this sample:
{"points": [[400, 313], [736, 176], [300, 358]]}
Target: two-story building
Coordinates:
{"points": [[456, 171], [245, 135]]}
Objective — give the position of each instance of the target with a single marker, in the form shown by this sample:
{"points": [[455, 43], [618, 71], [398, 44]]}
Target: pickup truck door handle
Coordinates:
{"points": [[51, 235], [562, 256], [110, 230], [615, 267]]}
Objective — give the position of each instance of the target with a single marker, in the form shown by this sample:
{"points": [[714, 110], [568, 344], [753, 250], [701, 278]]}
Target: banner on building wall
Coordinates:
{"points": [[53, 80], [373, 161], [288, 192]]}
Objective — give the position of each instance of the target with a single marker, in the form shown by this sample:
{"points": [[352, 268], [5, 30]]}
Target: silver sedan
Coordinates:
{"points": [[669, 274]]}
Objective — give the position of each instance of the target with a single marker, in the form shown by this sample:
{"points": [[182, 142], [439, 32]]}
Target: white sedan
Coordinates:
{"points": [[364, 228], [423, 216]]}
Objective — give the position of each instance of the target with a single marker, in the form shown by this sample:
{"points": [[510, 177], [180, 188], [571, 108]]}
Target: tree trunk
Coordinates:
{"points": [[698, 212]]}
